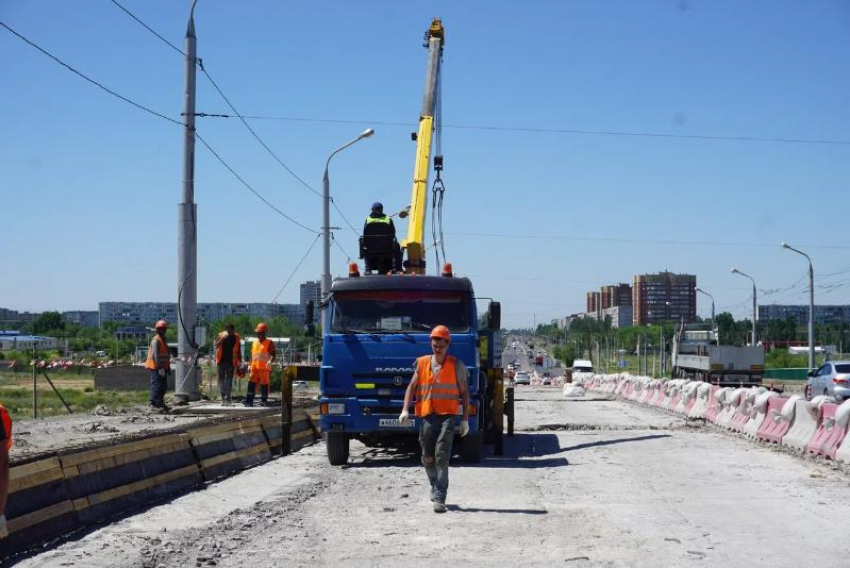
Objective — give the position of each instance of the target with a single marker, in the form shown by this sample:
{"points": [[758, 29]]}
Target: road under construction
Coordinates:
{"points": [[590, 481]]}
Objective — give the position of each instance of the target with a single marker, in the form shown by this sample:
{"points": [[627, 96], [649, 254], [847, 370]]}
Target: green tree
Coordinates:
{"points": [[48, 322]]}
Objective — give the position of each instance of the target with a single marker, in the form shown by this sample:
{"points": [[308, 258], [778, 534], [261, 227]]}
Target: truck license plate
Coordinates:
{"points": [[394, 423]]}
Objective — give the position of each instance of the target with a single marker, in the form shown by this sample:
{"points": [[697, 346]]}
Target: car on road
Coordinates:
{"points": [[582, 366], [522, 378], [832, 379], [299, 385]]}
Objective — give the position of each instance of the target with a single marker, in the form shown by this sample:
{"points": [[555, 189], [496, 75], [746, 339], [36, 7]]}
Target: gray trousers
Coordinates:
{"points": [[225, 381], [436, 433]]}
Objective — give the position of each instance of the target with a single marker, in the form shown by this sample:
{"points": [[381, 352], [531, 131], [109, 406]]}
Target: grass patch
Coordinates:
{"points": [[18, 401]]}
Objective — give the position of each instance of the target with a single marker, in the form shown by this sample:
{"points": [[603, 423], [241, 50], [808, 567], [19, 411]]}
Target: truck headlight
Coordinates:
{"points": [[336, 408]]}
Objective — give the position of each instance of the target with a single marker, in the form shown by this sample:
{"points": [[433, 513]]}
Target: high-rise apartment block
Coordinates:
{"points": [[615, 295], [664, 297], [310, 290], [593, 303]]}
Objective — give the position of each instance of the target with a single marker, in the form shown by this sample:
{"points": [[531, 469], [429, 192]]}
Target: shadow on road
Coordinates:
{"points": [[599, 443], [460, 509]]}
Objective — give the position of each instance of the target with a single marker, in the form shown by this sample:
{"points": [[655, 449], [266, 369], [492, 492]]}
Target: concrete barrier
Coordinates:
{"points": [[758, 412], [842, 420], [806, 422], [773, 427], [830, 433], [703, 398]]}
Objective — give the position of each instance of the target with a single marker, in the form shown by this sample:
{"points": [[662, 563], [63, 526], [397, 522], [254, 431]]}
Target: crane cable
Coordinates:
{"points": [[438, 189]]}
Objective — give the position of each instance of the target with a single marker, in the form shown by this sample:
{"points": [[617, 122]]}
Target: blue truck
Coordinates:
{"points": [[373, 330]]}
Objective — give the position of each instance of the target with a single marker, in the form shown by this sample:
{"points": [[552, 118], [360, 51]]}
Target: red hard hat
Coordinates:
{"points": [[240, 371], [441, 331], [161, 323], [262, 328]]}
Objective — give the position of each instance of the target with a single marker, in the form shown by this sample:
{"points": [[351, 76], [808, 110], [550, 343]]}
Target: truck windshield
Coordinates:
{"points": [[391, 311]]}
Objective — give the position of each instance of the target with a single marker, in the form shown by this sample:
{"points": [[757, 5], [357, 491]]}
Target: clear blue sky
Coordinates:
{"points": [[90, 184]]}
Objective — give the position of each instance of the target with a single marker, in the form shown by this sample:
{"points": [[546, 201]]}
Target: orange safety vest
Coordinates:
{"points": [[165, 356], [7, 426], [261, 355], [237, 351], [436, 394]]}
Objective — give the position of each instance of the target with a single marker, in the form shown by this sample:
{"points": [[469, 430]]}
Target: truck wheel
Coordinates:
{"points": [[471, 449], [338, 448]]}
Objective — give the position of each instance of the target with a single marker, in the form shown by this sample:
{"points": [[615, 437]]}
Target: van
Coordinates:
{"points": [[582, 366]]}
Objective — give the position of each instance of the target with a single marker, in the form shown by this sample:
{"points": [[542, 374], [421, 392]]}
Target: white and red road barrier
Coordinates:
{"points": [[818, 427]]}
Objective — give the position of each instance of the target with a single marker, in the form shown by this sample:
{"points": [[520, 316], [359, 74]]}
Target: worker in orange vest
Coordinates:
{"points": [[228, 357], [262, 354], [5, 447], [440, 384], [159, 365]]}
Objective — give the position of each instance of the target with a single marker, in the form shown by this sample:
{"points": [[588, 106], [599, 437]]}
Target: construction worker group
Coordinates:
{"points": [[228, 358]]}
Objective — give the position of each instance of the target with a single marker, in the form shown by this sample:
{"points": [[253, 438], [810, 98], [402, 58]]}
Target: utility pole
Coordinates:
{"points": [[34, 380], [186, 383]]}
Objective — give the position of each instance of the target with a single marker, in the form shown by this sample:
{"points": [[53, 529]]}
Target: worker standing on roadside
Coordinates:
{"points": [[440, 383], [228, 356], [262, 354], [5, 447], [159, 365]]}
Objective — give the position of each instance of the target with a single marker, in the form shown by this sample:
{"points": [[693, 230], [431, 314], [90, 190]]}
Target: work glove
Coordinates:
{"points": [[464, 428], [404, 416], [4, 532], [162, 373]]}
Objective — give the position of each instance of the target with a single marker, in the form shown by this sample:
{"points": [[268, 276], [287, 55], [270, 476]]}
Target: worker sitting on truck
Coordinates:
{"points": [[262, 354], [380, 249], [440, 384]]}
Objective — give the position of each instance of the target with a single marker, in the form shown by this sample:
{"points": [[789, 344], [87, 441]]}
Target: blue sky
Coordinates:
{"points": [[90, 184]]}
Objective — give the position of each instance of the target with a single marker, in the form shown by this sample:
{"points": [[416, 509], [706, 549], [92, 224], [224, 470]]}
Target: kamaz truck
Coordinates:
{"points": [[374, 326]]}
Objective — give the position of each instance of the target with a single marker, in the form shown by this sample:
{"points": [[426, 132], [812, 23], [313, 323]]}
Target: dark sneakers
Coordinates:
{"points": [[439, 507]]}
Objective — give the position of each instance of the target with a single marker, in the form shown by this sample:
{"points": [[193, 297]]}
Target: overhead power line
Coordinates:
{"points": [[158, 115], [573, 131], [150, 29], [251, 189], [89, 79], [297, 266]]}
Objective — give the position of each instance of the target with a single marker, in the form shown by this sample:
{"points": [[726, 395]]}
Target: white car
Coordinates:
{"points": [[522, 378], [831, 379]]}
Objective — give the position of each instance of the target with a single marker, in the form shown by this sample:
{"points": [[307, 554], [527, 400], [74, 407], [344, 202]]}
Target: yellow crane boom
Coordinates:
{"points": [[415, 242]]}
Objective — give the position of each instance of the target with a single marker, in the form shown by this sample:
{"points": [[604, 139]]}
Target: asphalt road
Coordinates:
{"points": [[587, 482]]}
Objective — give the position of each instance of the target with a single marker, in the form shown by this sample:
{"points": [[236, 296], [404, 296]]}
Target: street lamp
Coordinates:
{"points": [[755, 304], [701, 291], [811, 306], [326, 217]]}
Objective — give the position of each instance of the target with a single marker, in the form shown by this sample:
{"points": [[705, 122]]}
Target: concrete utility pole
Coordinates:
{"points": [[755, 304], [326, 220], [811, 306], [186, 382]]}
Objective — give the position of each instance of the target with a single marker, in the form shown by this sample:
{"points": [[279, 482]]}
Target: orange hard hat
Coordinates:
{"points": [[161, 323], [441, 331], [262, 328]]}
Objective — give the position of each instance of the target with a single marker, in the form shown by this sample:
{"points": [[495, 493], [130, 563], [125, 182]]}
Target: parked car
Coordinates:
{"points": [[522, 378], [299, 385], [832, 379]]}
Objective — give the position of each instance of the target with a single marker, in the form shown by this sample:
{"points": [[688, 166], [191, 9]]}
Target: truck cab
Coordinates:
{"points": [[373, 330]]}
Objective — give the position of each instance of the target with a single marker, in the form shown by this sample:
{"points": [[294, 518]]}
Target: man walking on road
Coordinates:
{"points": [[228, 356], [440, 385], [159, 365], [262, 354]]}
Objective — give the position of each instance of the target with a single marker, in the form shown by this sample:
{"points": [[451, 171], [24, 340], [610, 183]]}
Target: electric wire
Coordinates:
{"points": [[571, 131], [294, 270], [253, 133], [251, 189], [89, 79], [147, 27], [342, 250]]}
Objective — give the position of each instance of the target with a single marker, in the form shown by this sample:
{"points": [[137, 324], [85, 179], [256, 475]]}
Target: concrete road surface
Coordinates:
{"points": [[583, 483]]}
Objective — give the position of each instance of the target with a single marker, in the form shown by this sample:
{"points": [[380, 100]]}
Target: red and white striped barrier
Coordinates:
{"points": [[806, 422], [777, 420]]}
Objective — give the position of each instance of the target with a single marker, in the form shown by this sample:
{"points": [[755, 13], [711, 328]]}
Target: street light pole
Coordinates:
{"points": [[811, 306], [701, 291], [326, 219], [755, 304]]}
